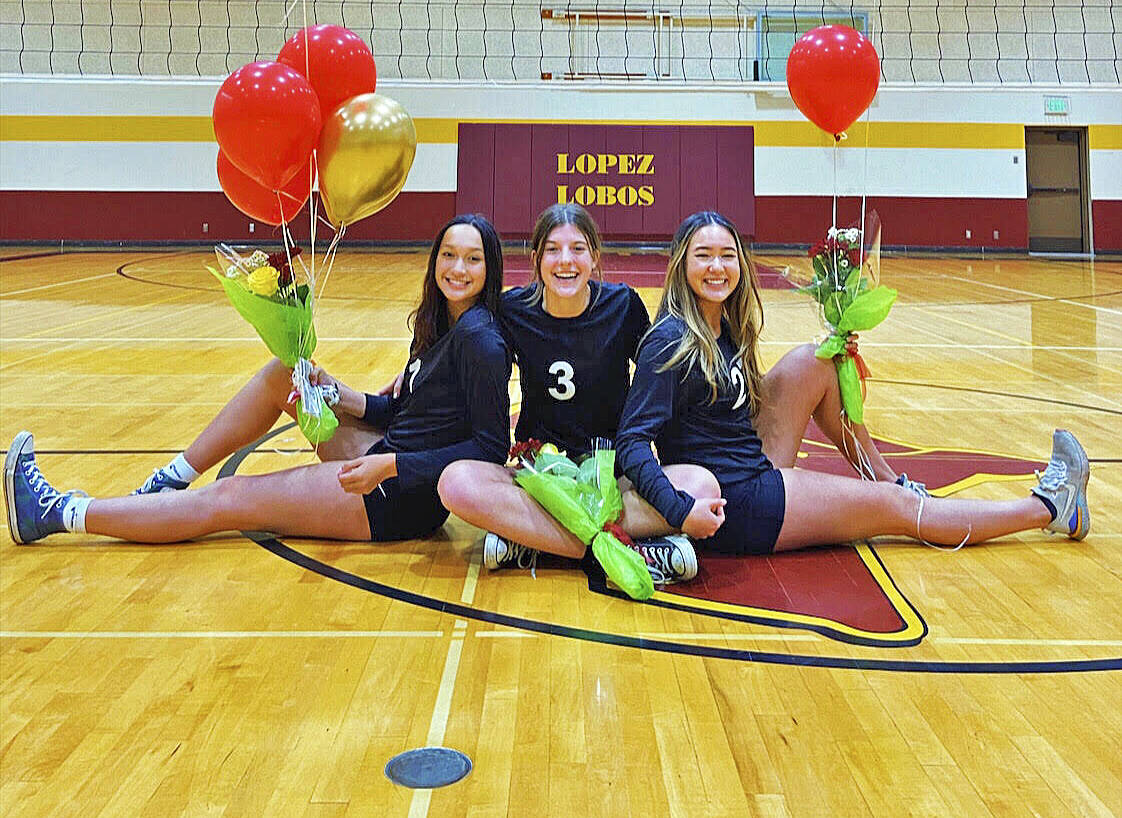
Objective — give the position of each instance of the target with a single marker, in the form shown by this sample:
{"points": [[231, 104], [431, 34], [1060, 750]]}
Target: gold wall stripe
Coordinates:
{"points": [[1104, 137], [960, 135]]}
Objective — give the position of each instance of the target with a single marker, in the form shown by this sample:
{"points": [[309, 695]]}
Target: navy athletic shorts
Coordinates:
{"points": [[753, 515], [394, 514]]}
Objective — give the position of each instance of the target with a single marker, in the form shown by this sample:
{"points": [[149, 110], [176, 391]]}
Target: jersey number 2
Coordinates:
{"points": [[565, 388], [737, 378]]}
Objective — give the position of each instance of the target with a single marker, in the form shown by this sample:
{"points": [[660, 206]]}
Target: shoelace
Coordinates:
{"points": [[48, 495], [659, 563], [1054, 476], [151, 481], [525, 558], [914, 485]]}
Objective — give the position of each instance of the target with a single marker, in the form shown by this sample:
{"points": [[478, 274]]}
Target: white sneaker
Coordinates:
{"points": [[498, 553], [669, 559], [1064, 485]]}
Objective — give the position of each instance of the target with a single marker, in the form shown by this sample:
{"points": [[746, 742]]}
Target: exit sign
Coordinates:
{"points": [[1057, 106]]}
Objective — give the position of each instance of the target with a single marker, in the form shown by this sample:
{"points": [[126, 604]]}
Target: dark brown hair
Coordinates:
{"points": [[429, 321]]}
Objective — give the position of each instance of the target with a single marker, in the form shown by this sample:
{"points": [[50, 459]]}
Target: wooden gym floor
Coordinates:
{"points": [[247, 676]]}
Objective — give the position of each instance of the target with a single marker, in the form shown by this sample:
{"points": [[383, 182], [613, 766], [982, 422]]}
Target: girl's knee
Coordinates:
{"points": [[224, 499], [461, 484], [695, 480]]}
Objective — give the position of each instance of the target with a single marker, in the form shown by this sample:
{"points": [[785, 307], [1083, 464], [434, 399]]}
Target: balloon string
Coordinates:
{"points": [[834, 218], [329, 261], [865, 189]]}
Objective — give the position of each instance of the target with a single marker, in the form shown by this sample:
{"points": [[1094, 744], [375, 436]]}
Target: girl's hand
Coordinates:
{"points": [[706, 516], [393, 388], [362, 476], [319, 377]]}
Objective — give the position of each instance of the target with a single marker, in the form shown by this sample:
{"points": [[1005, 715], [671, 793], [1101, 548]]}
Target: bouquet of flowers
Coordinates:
{"points": [[277, 301], [845, 285], [585, 498]]}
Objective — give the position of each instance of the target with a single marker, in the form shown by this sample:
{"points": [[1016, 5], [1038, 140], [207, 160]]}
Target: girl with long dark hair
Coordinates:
{"points": [[378, 481]]}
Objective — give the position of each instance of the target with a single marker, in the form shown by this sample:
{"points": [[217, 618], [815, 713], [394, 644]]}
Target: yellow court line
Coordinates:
{"points": [[913, 626], [438, 130], [977, 480]]}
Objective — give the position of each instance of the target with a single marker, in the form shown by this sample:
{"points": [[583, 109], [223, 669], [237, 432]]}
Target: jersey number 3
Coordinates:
{"points": [[565, 388]]}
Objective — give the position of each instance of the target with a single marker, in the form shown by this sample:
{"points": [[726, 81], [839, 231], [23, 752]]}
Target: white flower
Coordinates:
{"points": [[844, 263], [832, 233], [852, 234]]}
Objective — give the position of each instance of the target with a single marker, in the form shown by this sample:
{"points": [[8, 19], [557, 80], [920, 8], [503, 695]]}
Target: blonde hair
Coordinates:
{"points": [[742, 309], [550, 219]]}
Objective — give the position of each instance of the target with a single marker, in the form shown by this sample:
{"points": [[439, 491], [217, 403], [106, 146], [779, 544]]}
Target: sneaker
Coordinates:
{"points": [[1064, 485], [498, 553], [34, 506], [669, 559], [912, 485], [161, 481]]}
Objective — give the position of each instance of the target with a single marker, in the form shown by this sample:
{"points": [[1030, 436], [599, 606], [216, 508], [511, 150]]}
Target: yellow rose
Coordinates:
{"points": [[549, 448], [263, 280]]}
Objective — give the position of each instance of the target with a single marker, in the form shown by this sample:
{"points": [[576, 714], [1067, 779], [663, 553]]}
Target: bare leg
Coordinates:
{"points": [[249, 414], [858, 509], [240, 503], [253, 411], [485, 495], [800, 387]]}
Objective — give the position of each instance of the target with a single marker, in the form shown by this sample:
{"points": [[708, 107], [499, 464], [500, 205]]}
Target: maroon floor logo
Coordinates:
{"points": [[846, 592]]}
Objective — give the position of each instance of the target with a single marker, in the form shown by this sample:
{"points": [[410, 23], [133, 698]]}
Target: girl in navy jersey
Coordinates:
{"points": [[697, 394], [388, 452], [573, 336]]}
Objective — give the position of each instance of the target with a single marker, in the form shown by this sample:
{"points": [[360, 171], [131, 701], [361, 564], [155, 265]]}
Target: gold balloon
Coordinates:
{"points": [[365, 151]]}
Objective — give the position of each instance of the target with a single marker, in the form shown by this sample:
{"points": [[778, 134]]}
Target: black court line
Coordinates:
{"points": [[44, 254], [999, 394], [121, 271], [280, 549]]}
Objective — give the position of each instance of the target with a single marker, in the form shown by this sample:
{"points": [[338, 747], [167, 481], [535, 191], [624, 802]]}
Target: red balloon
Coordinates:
{"points": [[336, 61], [833, 73], [267, 121], [260, 203]]}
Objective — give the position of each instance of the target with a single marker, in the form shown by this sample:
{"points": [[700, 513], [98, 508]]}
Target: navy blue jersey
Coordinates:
{"points": [[573, 371], [454, 403], [672, 409]]}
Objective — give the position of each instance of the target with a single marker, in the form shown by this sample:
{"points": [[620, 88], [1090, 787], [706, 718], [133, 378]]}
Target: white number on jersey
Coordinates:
{"points": [[565, 388], [414, 368], [738, 381]]}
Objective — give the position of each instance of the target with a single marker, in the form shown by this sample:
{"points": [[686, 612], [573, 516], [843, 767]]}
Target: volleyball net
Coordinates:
{"points": [[919, 41]]}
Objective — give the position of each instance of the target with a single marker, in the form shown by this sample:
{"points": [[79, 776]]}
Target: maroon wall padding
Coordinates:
{"points": [[112, 216], [1106, 216], [922, 222], [694, 168]]}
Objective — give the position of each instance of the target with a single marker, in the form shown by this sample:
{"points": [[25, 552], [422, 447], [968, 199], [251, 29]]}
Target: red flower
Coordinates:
{"points": [[521, 447]]}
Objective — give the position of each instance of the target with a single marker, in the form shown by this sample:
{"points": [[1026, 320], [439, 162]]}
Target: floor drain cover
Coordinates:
{"points": [[428, 767]]}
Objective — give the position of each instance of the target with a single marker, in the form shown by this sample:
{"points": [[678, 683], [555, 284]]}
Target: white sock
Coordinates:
{"points": [[182, 470], [74, 513]]}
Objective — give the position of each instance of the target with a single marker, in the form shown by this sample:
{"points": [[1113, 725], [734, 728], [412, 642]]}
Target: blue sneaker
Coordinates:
{"points": [[34, 506], [1064, 485], [161, 481]]}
